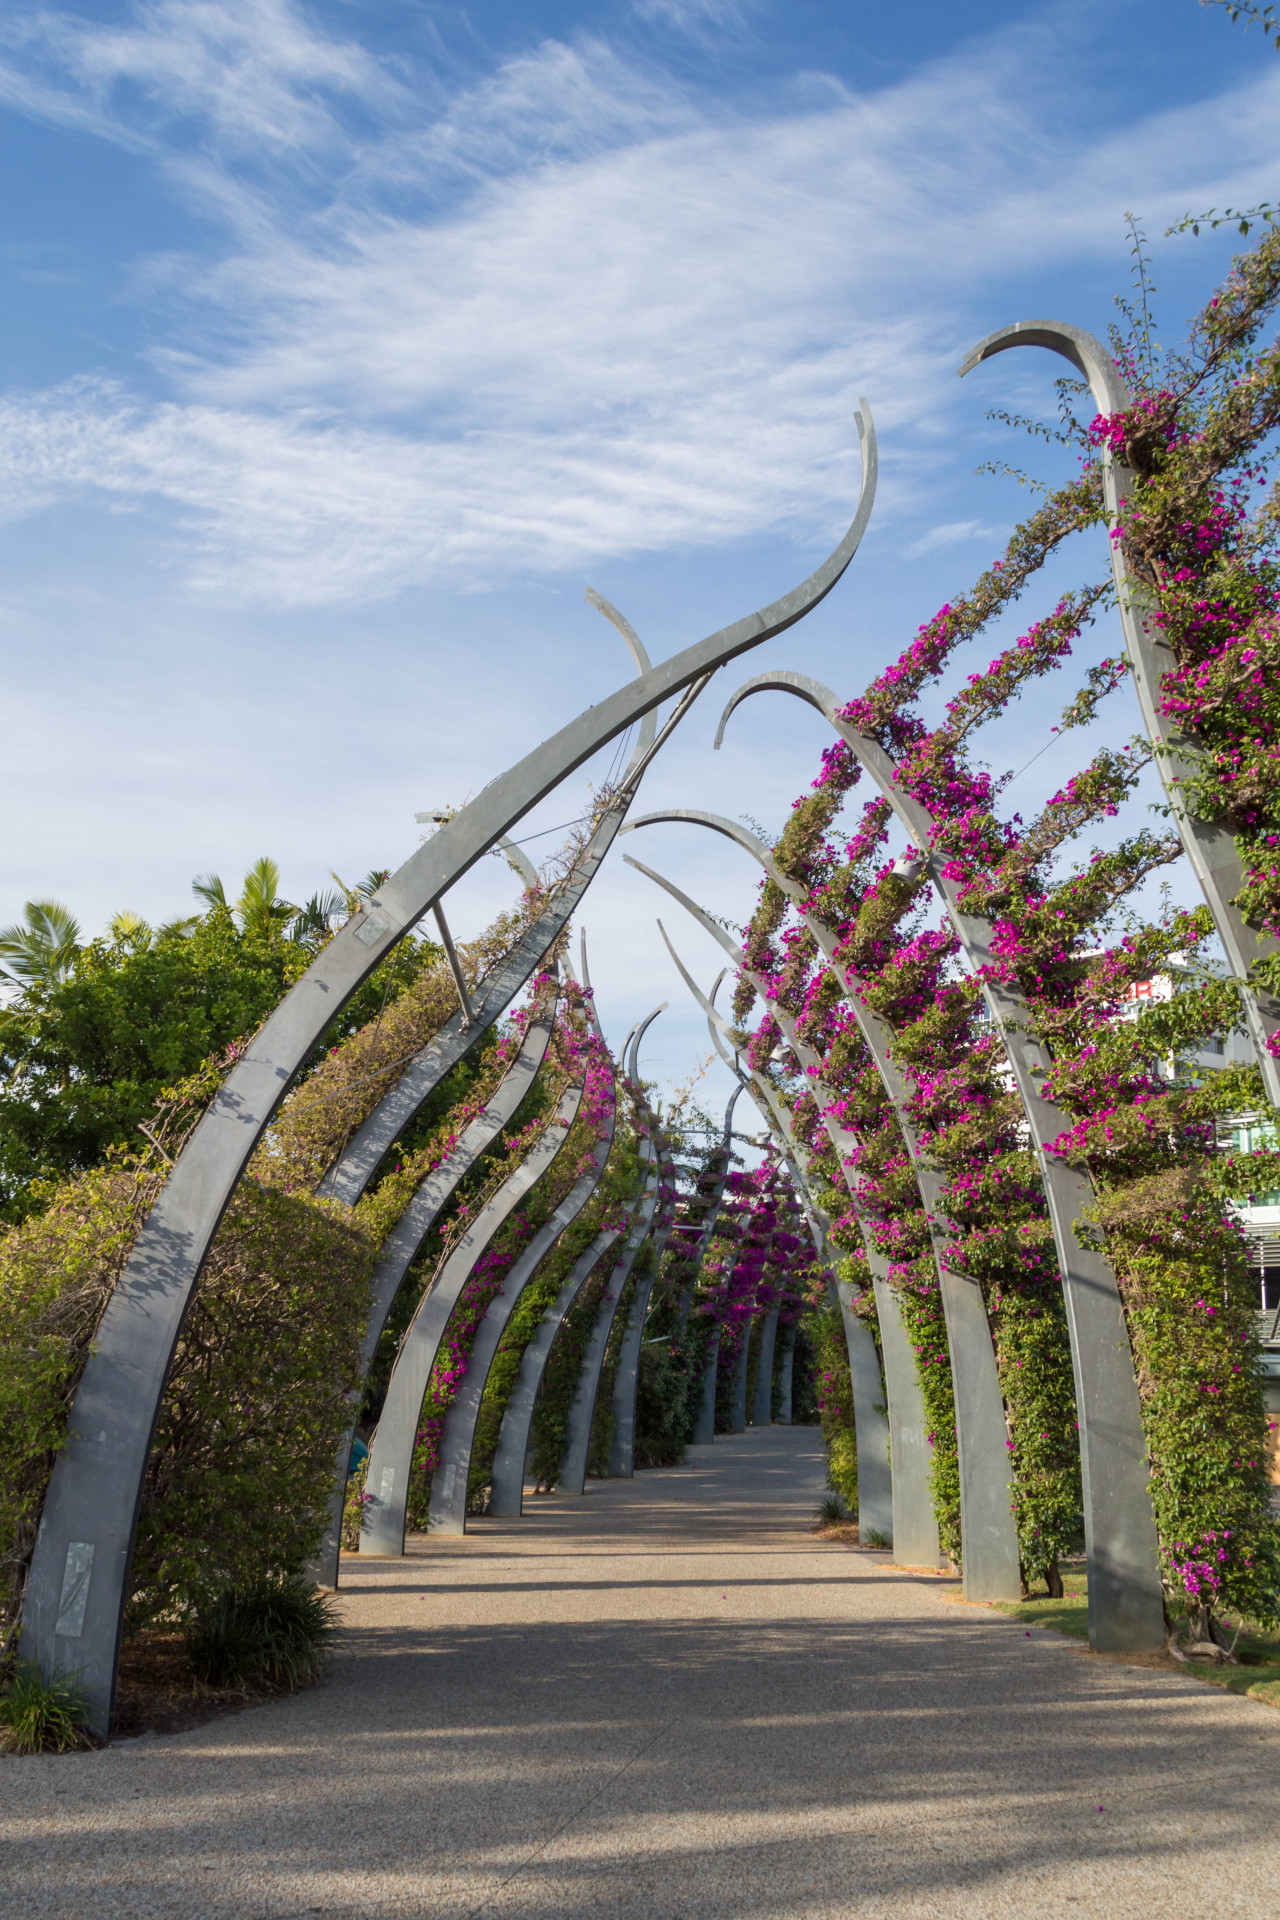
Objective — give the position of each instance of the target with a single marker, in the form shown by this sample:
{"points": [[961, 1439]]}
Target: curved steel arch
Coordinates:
{"points": [[506, 1492], [507, 1489], [891, 1427], [361, 1157], [762, 1409], [988, 1531], [1209, 846], [391, 1450], [711, 1210], [403, 1244], [571, 1476], [626, 1379], [447, 1511], [1126, 1604], [786, 1377], [78, 1578]]}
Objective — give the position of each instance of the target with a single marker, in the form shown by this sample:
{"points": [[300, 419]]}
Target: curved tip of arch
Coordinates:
{"points": [[635, 645], [802, 685], [1085, 352], [637, 1035], [1059, 337]]}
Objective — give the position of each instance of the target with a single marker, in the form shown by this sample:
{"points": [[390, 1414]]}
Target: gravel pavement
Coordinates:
{"points": [[670, 1700]]}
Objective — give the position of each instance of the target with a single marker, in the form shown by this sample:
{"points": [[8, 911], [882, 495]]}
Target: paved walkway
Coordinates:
{"points": [[670, 1701]]}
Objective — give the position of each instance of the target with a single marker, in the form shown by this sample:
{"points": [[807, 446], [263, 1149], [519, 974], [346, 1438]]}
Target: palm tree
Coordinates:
{"points": [[314, 920], [40, 954], [259, 908], [129, 929]]}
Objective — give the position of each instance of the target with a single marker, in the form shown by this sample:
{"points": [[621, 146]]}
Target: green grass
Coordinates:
{"points": [[42, 1716], [1068, 1615], [1258, 1674]]}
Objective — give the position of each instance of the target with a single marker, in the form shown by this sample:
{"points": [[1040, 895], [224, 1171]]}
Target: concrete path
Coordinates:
{"points": [[668, 1700]]}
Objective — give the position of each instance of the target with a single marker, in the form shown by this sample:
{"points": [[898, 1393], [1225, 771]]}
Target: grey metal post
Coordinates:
{"points": [[876, 1410], [1209, 845], [762, 1411], [990, 1550], [78, 1578], [362, 1155], [391, 1453], [404, 1242], [738, 1416], [786, 1375], [704, 1430], [506, 1491], [447, 1512], [1126, 1603], [915, 1523], [626, 1379], [711, 1212], [572, 1475]]}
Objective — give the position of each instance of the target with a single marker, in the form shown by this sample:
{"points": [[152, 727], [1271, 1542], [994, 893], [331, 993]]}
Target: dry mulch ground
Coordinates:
{"points": [[158, 1693]]}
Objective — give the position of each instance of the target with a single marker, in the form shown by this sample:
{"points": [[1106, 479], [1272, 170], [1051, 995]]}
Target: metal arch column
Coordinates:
{"points": [[989, 1533], [404, 1242], [711, 1211], [1209, 846], [738, 1416], [890, 1425], [787, 1377], [704, 1426], [391, 1452], [507, 1494], [1126, 1603], [360, 1159], [447, 1511], [78, 1577], [626, 1380], [762, 1410], [506, 1490], [572, 1475]]}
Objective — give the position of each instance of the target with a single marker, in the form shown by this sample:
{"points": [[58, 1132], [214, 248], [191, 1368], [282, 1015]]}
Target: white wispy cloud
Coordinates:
{"points": [[249, 71], [571, 311], [951, 533]]}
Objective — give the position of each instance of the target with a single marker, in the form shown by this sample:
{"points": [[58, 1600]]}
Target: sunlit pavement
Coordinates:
{"points": [[669, 1699]]}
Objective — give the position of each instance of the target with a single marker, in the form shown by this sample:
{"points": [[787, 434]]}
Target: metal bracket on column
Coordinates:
{"points": [[451, 955], [1126, 1604]]}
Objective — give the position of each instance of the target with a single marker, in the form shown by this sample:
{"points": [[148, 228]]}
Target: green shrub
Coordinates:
{"points": [[831, 1511], [276, 1630], [662, 1402], [42, 1716]]}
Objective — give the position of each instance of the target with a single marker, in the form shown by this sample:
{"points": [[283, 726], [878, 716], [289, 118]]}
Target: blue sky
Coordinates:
{"points": [[344, 344]]}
